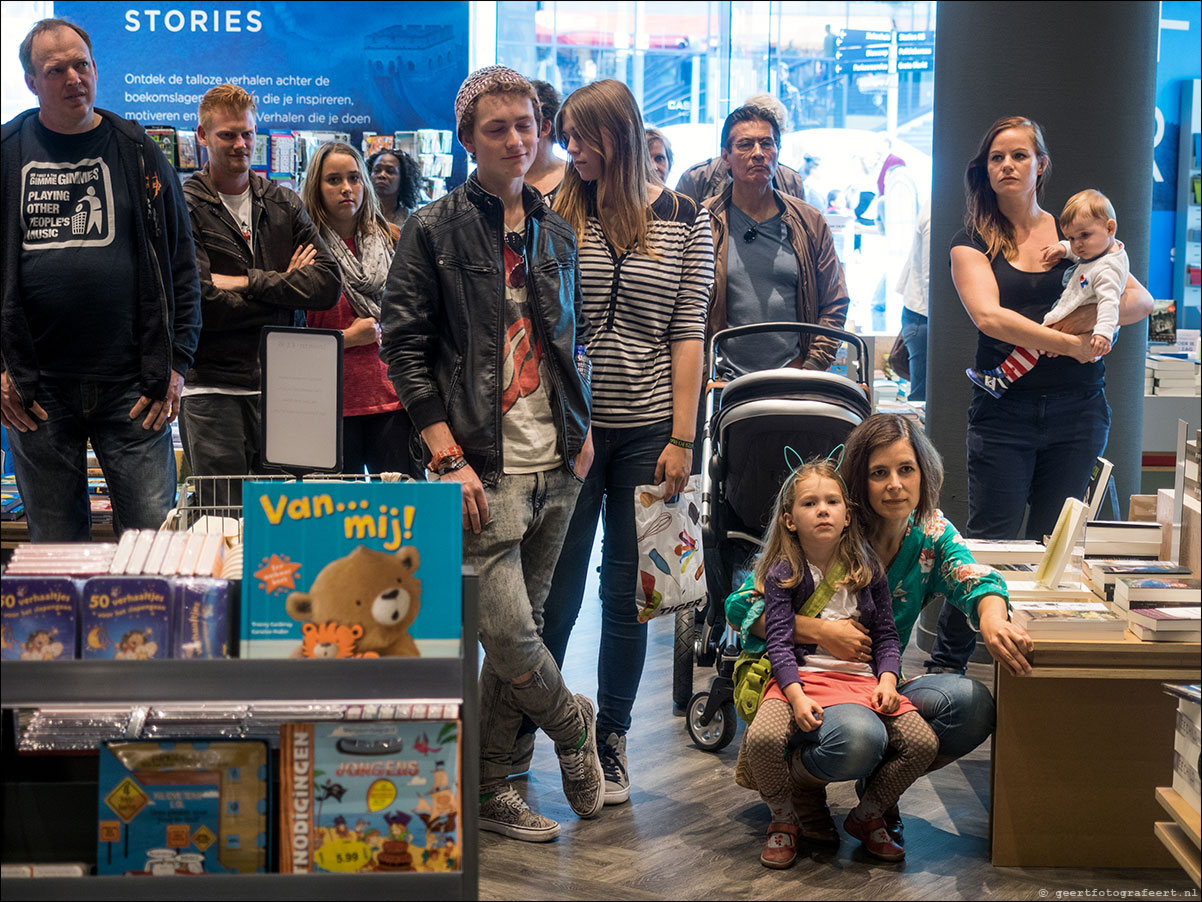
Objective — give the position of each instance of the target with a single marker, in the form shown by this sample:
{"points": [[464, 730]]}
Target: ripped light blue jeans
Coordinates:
{"points": [[514, 556]]}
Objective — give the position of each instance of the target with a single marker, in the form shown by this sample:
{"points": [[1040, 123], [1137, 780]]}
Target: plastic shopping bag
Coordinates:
{"points": [[671, 564]]}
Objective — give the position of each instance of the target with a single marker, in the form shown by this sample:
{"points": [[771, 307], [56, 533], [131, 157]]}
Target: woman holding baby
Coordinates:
{"points": [[1035, 444]]}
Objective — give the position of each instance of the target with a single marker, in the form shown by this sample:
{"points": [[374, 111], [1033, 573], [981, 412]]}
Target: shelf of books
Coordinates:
{"points": [[269, 774], [1182, 834]]}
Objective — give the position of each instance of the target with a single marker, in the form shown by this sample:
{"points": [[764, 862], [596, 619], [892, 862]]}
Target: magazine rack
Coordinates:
{"points": [[46, 807]]}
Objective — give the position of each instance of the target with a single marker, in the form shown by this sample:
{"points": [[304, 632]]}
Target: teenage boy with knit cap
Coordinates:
{"points": [[481, 321]]}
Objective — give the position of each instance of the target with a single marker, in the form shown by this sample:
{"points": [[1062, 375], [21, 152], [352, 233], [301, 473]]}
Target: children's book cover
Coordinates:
{"points": [[381, 796], [126, 618], [37, 618], [183, 808], [351, 569]]}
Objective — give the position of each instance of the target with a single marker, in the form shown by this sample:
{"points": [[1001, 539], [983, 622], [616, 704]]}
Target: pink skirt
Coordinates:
{"points": [[829, 687]]}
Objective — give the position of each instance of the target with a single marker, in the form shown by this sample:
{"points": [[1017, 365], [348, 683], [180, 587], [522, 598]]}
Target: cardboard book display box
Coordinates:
{"points": [[352, 569]]}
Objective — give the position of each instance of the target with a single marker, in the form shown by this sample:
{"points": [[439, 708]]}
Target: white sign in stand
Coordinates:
{"points": [[301, 399]]}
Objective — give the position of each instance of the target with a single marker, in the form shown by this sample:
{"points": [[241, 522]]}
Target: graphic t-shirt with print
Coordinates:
{"points": [[78, 273], [528, 438]]}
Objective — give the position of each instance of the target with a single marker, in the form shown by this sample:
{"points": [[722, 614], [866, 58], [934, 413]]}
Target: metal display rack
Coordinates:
{"points": [[395, 680]]}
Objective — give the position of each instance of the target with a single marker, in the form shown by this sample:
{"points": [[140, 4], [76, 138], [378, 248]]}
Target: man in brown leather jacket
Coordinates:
{"points": [[774, 258]]}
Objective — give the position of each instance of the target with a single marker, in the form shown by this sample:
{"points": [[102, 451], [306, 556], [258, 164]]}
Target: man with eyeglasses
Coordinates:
{"points": [[484, 341], [706, 179], [774, 258]]}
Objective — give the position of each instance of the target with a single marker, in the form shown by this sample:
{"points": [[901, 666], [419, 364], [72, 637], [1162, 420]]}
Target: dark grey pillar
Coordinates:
{"points": [[1086, 73]]}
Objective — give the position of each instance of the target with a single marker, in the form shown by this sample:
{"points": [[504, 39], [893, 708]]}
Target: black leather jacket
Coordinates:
{"points": [[444, 326]]}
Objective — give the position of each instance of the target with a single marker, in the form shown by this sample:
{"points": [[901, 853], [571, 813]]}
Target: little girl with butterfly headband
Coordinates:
{"points": [[816, 562]]}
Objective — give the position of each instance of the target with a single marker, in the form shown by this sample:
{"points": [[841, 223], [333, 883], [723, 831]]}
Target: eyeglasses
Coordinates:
{"points": [[750, 235], [515, 260], [748, 145]]}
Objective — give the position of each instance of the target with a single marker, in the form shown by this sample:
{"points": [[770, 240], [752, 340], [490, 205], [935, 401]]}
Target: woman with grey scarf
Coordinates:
{"points": [[338, 195]]}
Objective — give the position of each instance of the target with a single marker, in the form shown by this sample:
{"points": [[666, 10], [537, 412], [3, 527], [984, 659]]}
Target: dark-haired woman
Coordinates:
{"points": [[1035, 446], [893, 476], [397, 180]]}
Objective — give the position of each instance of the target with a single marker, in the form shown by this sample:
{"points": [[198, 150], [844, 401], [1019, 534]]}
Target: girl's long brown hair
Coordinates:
{"points": [[371, 215], [780, 543], [619, 197]]}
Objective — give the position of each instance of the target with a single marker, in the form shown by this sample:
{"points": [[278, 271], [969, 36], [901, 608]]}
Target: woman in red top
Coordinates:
{"points": [[338, 195]]}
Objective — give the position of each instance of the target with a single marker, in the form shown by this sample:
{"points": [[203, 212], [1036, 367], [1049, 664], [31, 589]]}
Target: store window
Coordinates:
{"points": [[856, 80]]}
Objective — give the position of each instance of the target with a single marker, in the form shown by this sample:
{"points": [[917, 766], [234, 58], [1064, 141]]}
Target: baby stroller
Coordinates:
{"points": [[749, 421]]}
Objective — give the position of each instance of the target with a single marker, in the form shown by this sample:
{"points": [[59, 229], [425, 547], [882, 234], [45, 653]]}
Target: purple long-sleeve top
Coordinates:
{"points": [[780, 606]]}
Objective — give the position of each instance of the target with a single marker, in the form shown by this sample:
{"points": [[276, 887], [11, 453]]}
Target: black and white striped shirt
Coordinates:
{"points": [[637, 305]]}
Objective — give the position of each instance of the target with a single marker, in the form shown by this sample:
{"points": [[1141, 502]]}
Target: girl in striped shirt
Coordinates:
{"points": [[646, 266]]}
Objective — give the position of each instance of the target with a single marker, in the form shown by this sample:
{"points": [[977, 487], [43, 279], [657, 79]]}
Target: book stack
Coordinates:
{"points": [[1122, 538], [1102, 572], [1161, 609], [1187, 743], [11, 505], [1173, 376], [995, 552], [1047, 619]]}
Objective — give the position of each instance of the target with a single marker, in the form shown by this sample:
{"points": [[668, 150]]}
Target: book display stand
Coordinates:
{"points": [[1073, 770], [51, 810]]}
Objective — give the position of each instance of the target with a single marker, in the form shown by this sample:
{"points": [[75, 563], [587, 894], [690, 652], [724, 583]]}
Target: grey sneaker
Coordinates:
{"points": [[503, 811], [523, 754], [583, 780], [613, 764]]}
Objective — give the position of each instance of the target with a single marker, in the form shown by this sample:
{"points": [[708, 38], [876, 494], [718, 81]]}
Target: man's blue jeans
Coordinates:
{"points": [[514, 556], [914, 336], [51, 461]]}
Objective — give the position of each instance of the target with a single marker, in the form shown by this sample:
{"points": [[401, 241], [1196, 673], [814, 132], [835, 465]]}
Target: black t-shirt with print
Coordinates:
{"points": [[78, 278]]}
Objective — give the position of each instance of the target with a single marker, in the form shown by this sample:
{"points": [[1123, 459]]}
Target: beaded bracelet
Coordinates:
{"points": [[680, 443]]}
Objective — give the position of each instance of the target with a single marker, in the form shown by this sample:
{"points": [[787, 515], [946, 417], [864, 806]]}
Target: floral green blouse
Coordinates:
{"points": [[933, 564]]}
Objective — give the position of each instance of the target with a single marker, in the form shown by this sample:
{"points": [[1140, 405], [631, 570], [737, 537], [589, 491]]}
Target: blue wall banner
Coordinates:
{"points": [[349, 66], [1178, 64]]}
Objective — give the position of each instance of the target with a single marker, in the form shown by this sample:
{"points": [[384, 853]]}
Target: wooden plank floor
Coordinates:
{"points": [[690, 833]]}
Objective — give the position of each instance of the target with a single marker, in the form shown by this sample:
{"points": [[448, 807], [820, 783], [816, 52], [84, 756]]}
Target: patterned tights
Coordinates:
{"points": [[911, 749]]}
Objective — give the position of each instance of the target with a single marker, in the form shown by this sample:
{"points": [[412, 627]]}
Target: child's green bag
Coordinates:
{"points": [[752, 671]]}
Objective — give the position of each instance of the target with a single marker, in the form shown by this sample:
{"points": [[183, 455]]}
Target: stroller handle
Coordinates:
{"points": [[800, 328]]}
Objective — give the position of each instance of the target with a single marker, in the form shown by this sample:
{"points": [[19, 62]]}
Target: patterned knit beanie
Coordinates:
{"points": [[481, 82]]}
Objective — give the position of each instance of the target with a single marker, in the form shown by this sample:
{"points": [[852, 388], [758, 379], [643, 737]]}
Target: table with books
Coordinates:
{"points": [[1081, 744]]}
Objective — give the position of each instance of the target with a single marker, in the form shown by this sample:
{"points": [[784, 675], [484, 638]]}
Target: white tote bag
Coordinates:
{"points": [[671, 564]]}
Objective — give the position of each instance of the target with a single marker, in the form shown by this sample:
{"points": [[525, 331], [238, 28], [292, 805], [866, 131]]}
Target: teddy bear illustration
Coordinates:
{"points": [[371, 589]]}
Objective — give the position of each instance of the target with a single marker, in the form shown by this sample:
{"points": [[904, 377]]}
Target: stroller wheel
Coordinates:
{"points": [[682, 660], [718, 732]]}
